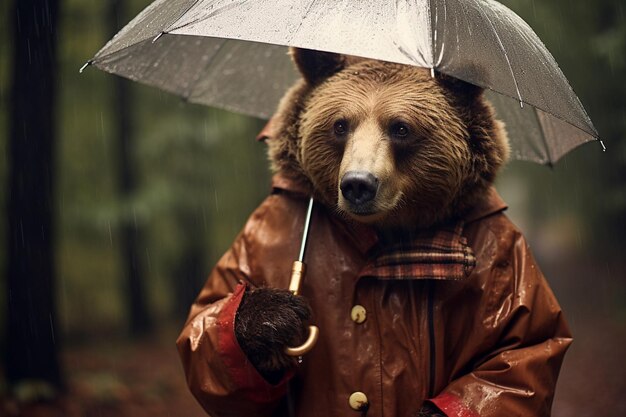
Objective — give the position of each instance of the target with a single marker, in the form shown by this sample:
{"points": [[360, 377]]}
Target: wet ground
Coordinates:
{"points": [[118, 379], [593, 377]]}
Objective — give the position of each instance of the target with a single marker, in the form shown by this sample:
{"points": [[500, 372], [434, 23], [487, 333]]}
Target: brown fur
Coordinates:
{"points": [[439, 171], [268, 319]]}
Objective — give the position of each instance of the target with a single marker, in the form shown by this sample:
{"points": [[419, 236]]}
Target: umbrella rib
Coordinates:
{"points": [[593, 133], [181, 16], [506, 55], [98, 59], [443, 45], [408, 55], [308, 9], [210, 15], [154, 37]]}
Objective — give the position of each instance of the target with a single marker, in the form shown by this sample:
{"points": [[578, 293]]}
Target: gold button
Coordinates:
{"points": [[358, 314], [358, 401]]}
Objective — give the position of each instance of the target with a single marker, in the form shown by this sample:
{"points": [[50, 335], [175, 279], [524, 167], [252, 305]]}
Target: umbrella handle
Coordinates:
{"points": [[314, 333], [297, 273]]}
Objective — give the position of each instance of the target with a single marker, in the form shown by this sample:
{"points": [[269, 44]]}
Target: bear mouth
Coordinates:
{"points": [[374, 211], [365, 213], [362, 211]]}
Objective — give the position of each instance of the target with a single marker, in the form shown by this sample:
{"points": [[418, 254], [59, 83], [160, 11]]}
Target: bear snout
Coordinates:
{"points": [[359, 188]]}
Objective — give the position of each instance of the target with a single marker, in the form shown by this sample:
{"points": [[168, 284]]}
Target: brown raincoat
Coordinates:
{"points": [[460, 315]]}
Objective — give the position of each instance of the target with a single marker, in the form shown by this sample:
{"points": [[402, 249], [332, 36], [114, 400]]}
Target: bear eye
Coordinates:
{"points": [[341, 127], [399, 130]]}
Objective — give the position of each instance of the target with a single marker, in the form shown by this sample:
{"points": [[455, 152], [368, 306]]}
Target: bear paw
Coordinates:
{"points": [[269, 320]]}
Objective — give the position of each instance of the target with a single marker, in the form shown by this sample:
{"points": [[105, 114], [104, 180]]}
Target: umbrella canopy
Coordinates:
{"points": [[232, 54]]}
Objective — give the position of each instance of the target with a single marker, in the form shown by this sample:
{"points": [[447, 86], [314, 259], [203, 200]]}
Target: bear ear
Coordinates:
{"points": [[316, 66], [460, 88]]}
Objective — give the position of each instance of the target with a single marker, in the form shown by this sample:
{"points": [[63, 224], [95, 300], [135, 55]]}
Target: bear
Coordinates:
{"points": [[428, 298]]}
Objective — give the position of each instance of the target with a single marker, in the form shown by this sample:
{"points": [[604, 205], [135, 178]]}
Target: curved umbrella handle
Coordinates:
{"points": [[314, 333], [297, 273]]}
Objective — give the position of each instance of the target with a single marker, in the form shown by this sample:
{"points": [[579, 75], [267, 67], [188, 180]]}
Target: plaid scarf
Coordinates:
{"points": [[437, 254]]}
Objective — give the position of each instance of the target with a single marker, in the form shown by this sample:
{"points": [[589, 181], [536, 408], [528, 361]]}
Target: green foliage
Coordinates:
{"points": [[195, 165]]}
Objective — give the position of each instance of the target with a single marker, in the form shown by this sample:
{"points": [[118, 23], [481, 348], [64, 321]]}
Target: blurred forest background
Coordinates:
{"points": [[146, 192]]}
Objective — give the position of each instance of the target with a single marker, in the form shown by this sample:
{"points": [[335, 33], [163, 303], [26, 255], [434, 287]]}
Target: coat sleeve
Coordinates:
{"points": [[218, 373], [521, 337]]}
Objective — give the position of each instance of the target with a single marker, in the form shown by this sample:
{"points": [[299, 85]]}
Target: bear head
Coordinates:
{"points": [[384, 143]]}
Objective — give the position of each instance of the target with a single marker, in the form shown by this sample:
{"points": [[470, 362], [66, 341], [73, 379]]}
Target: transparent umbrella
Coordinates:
{"points": [[232, 54]]}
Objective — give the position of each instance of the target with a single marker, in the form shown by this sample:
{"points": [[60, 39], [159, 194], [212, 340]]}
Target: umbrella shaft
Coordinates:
{"points": [[305, 233]]}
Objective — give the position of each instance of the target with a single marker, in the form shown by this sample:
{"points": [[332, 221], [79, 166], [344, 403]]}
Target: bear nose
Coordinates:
{"points": [[359, 187]]}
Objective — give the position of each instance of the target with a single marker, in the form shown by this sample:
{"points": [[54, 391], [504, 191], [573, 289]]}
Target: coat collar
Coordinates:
{"points": [[439, 253], [491, 204]]}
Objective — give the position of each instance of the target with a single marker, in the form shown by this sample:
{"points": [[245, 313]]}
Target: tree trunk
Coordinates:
{"points": [[130, 233], [32, 338]]}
